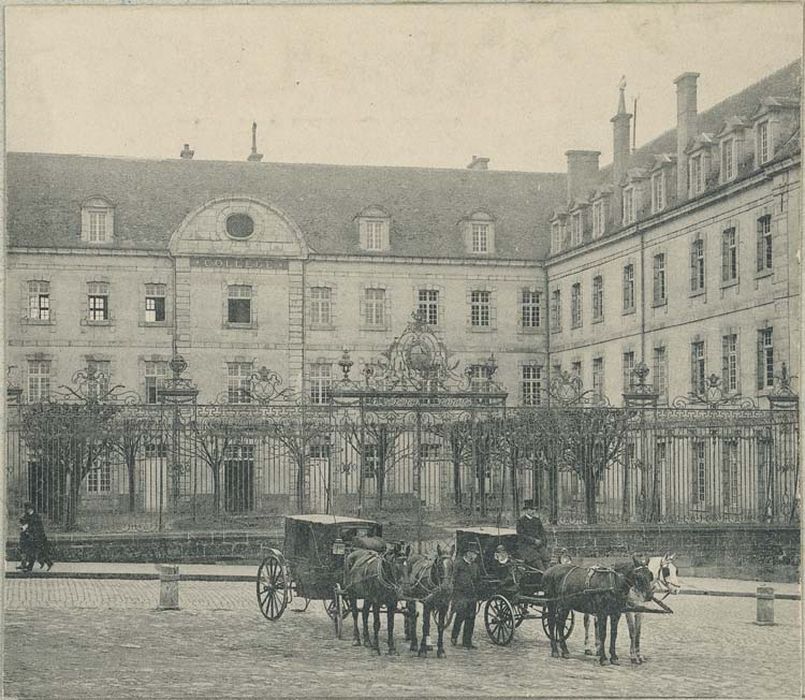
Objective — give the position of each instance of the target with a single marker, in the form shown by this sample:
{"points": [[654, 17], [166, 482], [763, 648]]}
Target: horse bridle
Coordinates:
{"points": [[668, 586]]}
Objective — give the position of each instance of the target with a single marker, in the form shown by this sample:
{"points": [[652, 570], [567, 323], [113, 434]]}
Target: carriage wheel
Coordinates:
{"points": [[337, 603], [570, 620], [499, 620], [273, 586], [521, 611], [330, 607]]}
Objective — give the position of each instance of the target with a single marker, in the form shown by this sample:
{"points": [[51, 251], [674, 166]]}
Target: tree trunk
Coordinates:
{"points": [[73, 499], [130, 467], [590, 505], [300, 484], [216, 489]]}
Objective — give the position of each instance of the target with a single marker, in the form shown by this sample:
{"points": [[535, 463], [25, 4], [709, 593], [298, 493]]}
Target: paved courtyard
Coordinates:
{"points": [[68, 638]]}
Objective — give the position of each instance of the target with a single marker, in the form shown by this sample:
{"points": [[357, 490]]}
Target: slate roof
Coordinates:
{"points": [[784, 84], [151, 197]]}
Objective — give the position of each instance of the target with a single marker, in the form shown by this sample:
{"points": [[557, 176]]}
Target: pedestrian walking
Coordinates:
{"points": [[33, 540], [466, 576]]}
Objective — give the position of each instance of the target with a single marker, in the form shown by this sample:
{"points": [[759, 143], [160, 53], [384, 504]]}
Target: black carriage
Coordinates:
{"points": [[511, 593], [311, 563]]}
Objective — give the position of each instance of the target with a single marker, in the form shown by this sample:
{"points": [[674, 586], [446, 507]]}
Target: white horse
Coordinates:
{"points": [[665, 582]]}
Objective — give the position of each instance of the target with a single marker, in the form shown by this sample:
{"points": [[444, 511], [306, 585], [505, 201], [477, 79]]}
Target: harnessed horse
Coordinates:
{"points": [[431, 583], [600, 591], [665, 581], [379, 579]]}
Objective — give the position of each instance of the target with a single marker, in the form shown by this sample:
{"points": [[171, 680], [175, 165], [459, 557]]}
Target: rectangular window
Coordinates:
{"points": [[480, 238], [479, 376], [697, 265], [729, 362], [628, 368], [98, 301], [658, 192], [239, 382], [99, 480], [39, 300], [529, 308], [575, 368], [556, 310], [38, 380], [661, 373], [375, 306], [374, 234], [727, 159], [696, 175], [532, 385], [154, 303], [763, 150], [659, 278], [428, 305], [556, 237], [765, 358], [239, 304], [729, 255], [598, 376], [371, 460], [697, 367], [575, 305], [628, 206], [599, 222], [480, 303], [155, 375], [321, 306], [729, 473], [576, 229], [97, 225], [98, 375], [598, 298], [764, 253], [628, 287], [699, 472], [320, 383]]}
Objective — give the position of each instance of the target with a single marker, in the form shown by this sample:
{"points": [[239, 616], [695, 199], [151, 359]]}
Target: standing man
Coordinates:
{"points": [[531, 538], [466, 576], [38, 541]]}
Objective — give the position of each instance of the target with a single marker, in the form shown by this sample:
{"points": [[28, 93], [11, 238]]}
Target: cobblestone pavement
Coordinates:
{"points": [[77, 638]]}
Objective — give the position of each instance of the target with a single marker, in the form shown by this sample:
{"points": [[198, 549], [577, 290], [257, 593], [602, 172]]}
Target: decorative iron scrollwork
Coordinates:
{"points": [[714, 396]]}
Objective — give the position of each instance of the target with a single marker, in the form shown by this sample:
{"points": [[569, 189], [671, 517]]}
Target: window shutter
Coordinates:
{"points": [[761, 364], [694, 277], [725, 363], [725, 261]]}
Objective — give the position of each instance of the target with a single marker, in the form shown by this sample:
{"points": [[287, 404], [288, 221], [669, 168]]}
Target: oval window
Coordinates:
{"points": [[240, 225]]}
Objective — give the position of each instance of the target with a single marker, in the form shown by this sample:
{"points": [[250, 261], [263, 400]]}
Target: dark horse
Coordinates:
{"points": [[601, 591], [431, 583], [379, 579]]}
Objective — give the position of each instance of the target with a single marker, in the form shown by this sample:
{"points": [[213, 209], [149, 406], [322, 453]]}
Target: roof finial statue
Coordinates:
{"points": [[254, 155], [622, 98]]}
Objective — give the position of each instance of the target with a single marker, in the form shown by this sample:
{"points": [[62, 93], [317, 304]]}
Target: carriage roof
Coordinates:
{"points": [[325, 518], [488, 532], [312, 535]]}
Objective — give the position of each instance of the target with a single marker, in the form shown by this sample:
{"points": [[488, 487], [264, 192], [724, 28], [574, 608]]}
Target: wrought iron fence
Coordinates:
{"points": [[410, 437]]}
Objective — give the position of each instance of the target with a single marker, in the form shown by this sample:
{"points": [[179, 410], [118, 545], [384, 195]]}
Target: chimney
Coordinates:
{"points": [[186, 153], [620, 150], [686, 127], [582, 172], [254, 156], [478, 163]]}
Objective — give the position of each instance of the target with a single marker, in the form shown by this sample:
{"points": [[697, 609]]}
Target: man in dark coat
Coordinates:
{"points": [[531, 539], [36, 547], [466, 576]]}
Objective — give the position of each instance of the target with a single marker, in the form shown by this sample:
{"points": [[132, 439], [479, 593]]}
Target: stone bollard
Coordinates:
{"points": [[765, 605], [168, 587]]}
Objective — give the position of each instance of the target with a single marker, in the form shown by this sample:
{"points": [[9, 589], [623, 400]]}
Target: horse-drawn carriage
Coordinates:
{"points": [[510, 592], [311, 563]]}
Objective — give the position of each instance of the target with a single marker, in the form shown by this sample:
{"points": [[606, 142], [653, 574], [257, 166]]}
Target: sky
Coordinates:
{"points": [[413, 85]]}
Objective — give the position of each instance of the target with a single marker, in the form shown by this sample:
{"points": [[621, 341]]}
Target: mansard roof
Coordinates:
{"points": [[152, 197]]}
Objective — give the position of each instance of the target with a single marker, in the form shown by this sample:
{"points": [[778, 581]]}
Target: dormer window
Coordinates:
{"points": [[628, 206], [658, 192], [480, 238], [556, 237], [763, 142], [373, 224], [97, 221], [479, 233], [599, 219], [727, 159], [696, 175], [576, 228]]}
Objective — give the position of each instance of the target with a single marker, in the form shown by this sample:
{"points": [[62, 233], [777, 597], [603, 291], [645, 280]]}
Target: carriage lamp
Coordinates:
{"points": [[339, 547], [564, 557]]}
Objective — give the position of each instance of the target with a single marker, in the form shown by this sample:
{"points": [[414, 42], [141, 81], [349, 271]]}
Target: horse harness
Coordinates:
{"points": [[610, 573]]}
